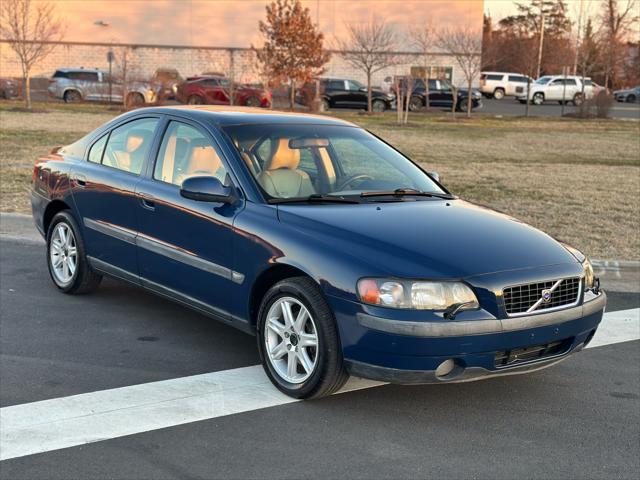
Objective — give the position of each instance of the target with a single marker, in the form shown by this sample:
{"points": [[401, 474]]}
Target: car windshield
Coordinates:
{"points": [[300, 161], [543, 80]]}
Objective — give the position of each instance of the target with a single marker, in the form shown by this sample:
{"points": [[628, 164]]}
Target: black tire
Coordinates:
{"points": [[195, 100], [72, 96], [462, 105], [326, 105], [631, 99], [498, 93], [415, 104], [329, 373], [84, 279], [378, 106], [252, 101], [135, 99]]}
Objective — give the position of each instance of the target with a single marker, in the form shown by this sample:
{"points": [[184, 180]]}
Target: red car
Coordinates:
{"points": [[215, 90]]}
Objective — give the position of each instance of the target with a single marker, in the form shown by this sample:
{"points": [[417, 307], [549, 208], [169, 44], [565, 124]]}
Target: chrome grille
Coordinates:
{"points": [[523, 298]]}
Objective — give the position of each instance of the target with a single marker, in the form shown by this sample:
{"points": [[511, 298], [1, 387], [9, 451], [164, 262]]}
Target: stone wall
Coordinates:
{"points": [[237, 62]]}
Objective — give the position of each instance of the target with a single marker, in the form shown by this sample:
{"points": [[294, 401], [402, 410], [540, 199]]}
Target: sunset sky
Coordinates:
{"points": [[234, 22]]}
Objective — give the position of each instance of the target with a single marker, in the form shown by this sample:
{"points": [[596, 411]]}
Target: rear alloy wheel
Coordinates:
{"points": [[72, 96], [498, 94], [578, 99], [415, 104], [378, 106], [195, 100], [298, 340], [66, 259], [538, 98]]}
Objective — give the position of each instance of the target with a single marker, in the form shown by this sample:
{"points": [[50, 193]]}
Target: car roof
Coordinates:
{"points": [[77, 69], [235, 115]]}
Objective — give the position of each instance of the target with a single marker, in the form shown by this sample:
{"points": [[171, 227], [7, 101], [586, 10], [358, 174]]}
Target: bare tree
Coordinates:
{"points": [[616, 19], [464, 45], [423, 39], [29, 28], [369, 48]]}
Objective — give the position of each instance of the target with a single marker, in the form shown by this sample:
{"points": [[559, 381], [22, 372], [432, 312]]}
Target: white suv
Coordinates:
{"points": [[558, 88], [501, 84]]}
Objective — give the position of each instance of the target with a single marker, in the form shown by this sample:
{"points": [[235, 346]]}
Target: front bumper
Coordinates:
{"points": [[401, 351]]}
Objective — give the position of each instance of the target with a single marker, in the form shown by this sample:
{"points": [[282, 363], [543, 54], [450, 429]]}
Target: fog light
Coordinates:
{"points": [[445, 368]]}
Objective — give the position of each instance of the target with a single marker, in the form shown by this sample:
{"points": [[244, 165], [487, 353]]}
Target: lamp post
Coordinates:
{"points": [[110, 58]]}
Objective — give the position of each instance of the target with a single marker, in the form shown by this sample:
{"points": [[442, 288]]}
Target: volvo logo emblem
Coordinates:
{"points": [[546, 296]]}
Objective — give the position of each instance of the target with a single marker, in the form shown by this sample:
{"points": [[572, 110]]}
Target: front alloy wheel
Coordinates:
{"points": [[538, 99], [298, 340], [291, 340]]}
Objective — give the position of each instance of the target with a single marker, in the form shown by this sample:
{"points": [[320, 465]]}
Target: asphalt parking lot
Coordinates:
{"points": [[579, 419], [511, 107]]}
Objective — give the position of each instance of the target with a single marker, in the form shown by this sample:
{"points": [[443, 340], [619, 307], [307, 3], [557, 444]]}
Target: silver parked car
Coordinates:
{"points": [[631, 95], [91, 84]]}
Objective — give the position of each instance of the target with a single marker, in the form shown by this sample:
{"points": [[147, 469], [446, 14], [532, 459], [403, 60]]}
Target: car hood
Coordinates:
{"points": [[427, 238]]}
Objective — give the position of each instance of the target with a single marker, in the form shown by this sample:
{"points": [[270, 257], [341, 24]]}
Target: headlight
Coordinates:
{"points": [[589, 276], [417, 295]]}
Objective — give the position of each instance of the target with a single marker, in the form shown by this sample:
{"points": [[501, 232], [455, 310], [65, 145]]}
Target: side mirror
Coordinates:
{"points": [[207, 189], [435, 176], [363, 89]]}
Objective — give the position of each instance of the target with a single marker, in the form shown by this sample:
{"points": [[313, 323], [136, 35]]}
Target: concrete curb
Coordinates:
{"points": [[615, 275]]}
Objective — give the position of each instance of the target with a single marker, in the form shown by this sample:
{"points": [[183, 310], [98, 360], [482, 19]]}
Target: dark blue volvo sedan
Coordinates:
{"points": [[337, 251]]}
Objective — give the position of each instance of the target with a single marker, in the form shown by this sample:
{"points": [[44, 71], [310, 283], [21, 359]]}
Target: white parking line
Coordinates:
{"points": [[65, 422]]}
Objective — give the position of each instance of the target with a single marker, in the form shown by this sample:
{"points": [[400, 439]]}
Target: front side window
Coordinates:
{"points": [[335, 85], [129, 144], [543, 80], [187, 152], [353, 85], [295, 161]]}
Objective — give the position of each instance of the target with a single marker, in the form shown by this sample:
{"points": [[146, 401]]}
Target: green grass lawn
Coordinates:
{"points": [[578, 180]]}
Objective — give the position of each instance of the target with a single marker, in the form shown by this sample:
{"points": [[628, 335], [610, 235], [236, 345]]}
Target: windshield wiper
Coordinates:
{"points": [[315, 198], [402, 192]]}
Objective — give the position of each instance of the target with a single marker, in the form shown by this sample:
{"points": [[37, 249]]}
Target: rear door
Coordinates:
{"points": [[103, 191], [185, 247], [338, 93]]}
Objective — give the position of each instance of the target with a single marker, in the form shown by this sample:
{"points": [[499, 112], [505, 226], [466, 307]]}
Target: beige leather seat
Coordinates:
{"points": [[132, 157], [203, 160], [281, 177]]}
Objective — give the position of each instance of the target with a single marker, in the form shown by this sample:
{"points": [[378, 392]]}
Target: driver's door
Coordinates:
{"points": [[185, 246]]}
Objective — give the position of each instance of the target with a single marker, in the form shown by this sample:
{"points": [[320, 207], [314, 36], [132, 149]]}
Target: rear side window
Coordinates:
{"points": [[129, 144], [83, 76], [97, 149], [571, 81]]}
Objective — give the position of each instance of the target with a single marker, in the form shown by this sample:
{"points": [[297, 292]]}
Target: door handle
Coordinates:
{"points": [[147, 201], [80, 180]]}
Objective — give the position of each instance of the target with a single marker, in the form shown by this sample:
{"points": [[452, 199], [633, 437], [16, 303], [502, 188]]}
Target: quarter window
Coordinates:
{"points": [[186, 152], [97, 149], [129, 144]]}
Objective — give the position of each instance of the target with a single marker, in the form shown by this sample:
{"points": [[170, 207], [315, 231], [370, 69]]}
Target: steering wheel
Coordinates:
{"points": [[353, 178]]}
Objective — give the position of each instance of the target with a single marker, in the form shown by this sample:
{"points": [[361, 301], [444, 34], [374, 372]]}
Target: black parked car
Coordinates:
{"points": [[441, 95], [341, 93]]}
